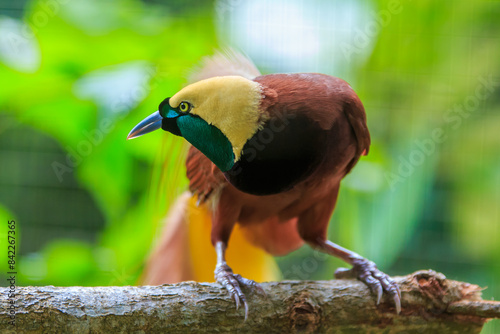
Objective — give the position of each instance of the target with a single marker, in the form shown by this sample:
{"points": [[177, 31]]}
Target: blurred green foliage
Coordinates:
{"points": [[90, 150], [96, 68]]}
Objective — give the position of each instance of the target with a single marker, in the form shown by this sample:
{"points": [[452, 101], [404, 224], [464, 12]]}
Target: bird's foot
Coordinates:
{"points": [[233, 283], [366, 271]]}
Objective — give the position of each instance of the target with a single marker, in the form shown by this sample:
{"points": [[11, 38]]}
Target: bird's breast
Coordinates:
{"points": [[283, 153]]}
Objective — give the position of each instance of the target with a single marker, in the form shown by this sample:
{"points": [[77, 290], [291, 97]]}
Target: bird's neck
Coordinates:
{"points": [[280, 155]]}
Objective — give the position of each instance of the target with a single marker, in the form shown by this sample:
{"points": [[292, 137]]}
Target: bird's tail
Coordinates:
{"points": [[184, 251]]}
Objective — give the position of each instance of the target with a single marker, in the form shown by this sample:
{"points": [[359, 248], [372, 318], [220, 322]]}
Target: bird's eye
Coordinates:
{"points": [[184, 106]]}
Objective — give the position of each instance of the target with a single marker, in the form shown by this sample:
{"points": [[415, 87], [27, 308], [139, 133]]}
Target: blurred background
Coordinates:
{"points": [[77, 75]]}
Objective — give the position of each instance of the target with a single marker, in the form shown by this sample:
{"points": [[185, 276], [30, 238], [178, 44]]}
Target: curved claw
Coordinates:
{"points": [[246, 311], [251, 284], [233, 283], [236, 299], [378, 282]]}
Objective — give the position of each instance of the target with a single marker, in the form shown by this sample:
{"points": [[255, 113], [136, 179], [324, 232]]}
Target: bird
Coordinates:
{"points": [[267, 155]]}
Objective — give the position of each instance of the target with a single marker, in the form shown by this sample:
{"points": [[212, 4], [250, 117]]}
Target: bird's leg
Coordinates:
{"points": [[364, 270], [312, 227], [232, 282]]}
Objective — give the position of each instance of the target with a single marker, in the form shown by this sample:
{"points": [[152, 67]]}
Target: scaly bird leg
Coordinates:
{"points": [[232, 282], [364, 270], [312, 227]]}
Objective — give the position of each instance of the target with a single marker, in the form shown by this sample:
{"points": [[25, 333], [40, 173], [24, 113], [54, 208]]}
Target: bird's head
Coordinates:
{"points": [[217, 116]]}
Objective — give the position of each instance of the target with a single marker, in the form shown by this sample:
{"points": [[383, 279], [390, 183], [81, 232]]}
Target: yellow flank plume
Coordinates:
{"points": [[245, 259], [230, 103]]}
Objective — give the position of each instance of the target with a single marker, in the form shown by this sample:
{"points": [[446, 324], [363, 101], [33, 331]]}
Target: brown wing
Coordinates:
{"points": [[204, 177], [356, 116], [322, 98]]}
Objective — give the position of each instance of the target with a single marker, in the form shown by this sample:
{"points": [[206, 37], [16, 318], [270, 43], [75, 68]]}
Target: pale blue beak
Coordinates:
{"points": [[150, 123]]}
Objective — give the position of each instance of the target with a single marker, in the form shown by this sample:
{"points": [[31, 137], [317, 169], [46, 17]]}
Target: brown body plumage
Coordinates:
{"points": [[307, 131], [336, 123]]}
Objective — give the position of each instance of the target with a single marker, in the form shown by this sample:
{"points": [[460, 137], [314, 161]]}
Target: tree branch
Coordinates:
{"points": [[430, 304]]}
